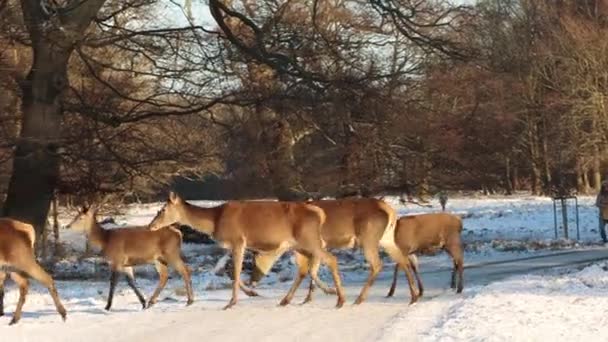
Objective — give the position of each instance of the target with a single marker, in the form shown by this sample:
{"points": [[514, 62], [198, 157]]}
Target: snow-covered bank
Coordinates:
{"points": [[563, 305]]}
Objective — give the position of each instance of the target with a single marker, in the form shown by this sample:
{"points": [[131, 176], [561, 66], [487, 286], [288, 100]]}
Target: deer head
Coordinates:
{"points": [[84, 218], [170, 212]]}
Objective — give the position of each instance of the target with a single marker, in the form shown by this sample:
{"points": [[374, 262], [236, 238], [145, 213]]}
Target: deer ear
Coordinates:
{"points": [[93, 208], [85, 207], [173, 197]]}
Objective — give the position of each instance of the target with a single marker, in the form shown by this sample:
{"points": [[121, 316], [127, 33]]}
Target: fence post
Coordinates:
{"points": [[565, 217], [555, 217]]}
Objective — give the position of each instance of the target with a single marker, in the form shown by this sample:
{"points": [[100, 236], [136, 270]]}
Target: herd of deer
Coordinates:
{"points": [[269, 228]]}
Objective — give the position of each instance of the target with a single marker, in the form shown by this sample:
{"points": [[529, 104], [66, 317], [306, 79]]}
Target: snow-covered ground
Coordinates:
{"points": [[515, 217], [566, 303]]}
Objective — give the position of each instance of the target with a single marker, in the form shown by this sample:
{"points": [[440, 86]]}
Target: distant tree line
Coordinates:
{"points": [[299, 99]]}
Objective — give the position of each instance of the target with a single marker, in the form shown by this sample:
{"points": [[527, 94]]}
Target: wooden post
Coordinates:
{"points": [[555, 217], [565, 216]]}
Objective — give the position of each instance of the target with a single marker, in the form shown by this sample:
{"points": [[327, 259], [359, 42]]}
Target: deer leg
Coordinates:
{"points": [[458, 267], [246, 290], [414, 262], [163, 276], [453, 274], [23, 284], [375, 265], [453, 278], [410, 279], [455, 251], [311, 289], [302, 263], [113, 280], [131, 282], [33, 269], [331, 262], [314, 263], [2, 279], [391, 291], [263, 264], [238, 250], [184, 271]]}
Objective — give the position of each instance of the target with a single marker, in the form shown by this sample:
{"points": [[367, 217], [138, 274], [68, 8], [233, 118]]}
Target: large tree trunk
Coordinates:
{"points": [[36, 160]]}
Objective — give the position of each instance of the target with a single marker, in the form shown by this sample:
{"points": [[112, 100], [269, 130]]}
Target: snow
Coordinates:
{"points": [[561, 307], [506, 237], [514, 217]]}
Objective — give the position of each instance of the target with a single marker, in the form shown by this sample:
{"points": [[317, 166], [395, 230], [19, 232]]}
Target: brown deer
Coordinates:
{"points": [[124, 248], [262, 226], [17, 259], [424, 234], [355, 222]]}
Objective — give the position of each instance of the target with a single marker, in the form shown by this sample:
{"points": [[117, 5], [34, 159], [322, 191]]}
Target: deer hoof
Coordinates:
{"points": [[308, 299], [230, 304], [252, 294]]}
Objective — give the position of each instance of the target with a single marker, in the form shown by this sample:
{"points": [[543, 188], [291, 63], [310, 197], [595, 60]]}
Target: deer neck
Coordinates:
{"points": [[97, 235], [199, 218]]}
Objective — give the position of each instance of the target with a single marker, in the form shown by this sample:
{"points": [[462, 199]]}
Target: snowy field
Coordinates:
{"points": [[512, 289], [563, 305]]}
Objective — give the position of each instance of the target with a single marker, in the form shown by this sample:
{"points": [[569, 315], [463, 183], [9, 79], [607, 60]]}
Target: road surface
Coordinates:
{"points": [[259, 319]]}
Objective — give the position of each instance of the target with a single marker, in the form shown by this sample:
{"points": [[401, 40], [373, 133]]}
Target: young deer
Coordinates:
{"points": [[266, 227], [427, 233], [124, 248], [350, 223], [17, 259]]}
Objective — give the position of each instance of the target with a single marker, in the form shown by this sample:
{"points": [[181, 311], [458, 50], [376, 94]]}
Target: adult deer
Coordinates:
{"points": [[428, 233], [263, 226], [126, 247], [17, 259], [355, 222]]}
